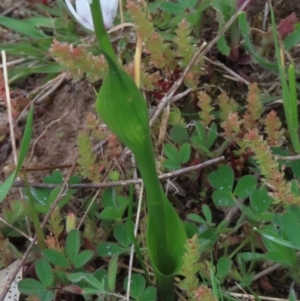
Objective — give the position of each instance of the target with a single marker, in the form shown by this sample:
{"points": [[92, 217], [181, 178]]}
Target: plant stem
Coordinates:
{"points": [[157, 205], [100, 30], [34, 216]]}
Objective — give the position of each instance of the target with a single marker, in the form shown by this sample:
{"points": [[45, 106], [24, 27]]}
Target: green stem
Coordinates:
{"points": [[134, 241], [235, 41], [34, 216], [100, 30], [157, 204]]}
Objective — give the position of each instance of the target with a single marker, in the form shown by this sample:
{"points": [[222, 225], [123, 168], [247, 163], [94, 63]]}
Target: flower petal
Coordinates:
{"points": [[109, 11], [79, 16]]}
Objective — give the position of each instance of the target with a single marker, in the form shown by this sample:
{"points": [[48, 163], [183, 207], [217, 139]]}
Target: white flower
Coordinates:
{"points": [[83, 14]]}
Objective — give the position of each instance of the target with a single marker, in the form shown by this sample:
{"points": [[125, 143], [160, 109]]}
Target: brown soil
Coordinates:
{"points": [[57, 128]]}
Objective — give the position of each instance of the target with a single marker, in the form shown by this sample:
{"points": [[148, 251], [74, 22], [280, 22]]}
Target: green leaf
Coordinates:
{"points": [[223, 267], [101, 275], [212, 135], [179, 134], [171, 164], [289, 224], [107, 249], [260, 200], [184, 153], [207, 213], [122, 233], [278, 257], [6, 186], [252, 256], [46, 295], [222, 178], [44, 272], [149, 294], [244, 186], [82, 258], [72, 244], [292, 39], [91, 280], [196, 218], [296, 168], [31, 287], [123, 108], [56, 258], [245, 30], [173, 8], [223, 198], [137, 285], [112, 273], [201, 131], [223, 46], [292, 295], [171, 151], [21, 27]]}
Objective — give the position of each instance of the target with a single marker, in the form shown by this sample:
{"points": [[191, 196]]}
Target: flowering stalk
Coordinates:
{"points": [[123, 108]]}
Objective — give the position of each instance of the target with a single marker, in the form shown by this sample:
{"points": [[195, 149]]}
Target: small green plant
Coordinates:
{"points": [[289, 92], [176, 157], [56, 269], [138, 289], [44, 197]]}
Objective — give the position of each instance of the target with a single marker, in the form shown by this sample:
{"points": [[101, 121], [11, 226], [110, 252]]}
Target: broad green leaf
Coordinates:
{"points": [[190, 229], [289, 224], [244, 186], [107, 249], [82, 258], [122, 233], [137, 285], [222, 178], [123, 108], [46, 295], [172, 152], [6, 186], [171, 164], [56, 258], [185, 153], [223, 198], [72, 244], [260, 200], [44, 272], [279, 258], [31, 286], [101, 275], [179, 134], [223, 267], [149, 294]]}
